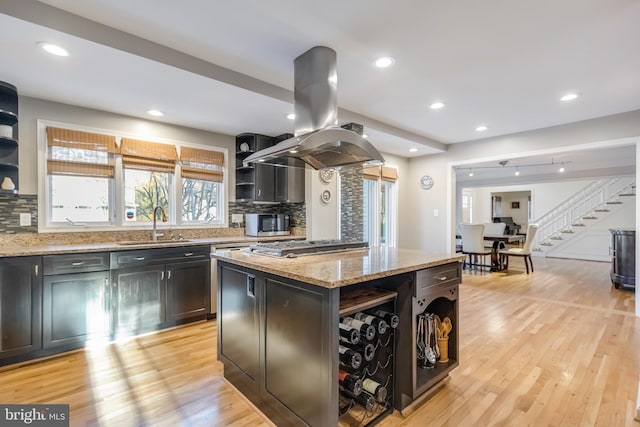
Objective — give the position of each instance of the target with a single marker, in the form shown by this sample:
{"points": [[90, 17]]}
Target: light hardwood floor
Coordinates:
{"points": [[558, 347]]}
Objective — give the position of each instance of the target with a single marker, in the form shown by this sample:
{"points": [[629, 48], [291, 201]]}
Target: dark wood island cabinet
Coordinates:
{"points": [[279, 322]]}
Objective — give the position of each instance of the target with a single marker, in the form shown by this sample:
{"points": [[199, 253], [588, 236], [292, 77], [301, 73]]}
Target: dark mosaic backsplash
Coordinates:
{"points": [[11, 206], [296, 211], [351, 205]]}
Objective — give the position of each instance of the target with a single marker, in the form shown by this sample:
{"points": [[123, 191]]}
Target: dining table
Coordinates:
{"points": [[499, 242]]}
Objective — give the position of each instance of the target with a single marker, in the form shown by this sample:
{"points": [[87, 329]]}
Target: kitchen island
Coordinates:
{"points": [[279, 334]]}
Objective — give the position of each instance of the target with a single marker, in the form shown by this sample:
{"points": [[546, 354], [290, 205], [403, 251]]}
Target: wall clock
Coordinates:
{"points": [[426, 182], [326, 175]]}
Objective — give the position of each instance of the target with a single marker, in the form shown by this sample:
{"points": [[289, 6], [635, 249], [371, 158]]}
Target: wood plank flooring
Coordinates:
{"points": [[559, 347]]}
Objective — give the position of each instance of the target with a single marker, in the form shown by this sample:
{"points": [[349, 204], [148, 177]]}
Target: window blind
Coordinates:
{"points": [[72, 152], [371, 173], [197, 163], [149, 156], [389, 174]]}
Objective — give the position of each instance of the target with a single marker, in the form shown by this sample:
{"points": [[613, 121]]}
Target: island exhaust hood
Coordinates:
{"points": [[318, 140]]}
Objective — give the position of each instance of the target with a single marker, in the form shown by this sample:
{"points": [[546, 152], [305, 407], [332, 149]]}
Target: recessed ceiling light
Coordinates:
{"points": [[291, 116], [436, 105], [385, 62], [413, 150], [53, 49], [561, 169], [517, 172], [470, 173], [155, 113], [481, 128], [569, 97], [293, 151]]}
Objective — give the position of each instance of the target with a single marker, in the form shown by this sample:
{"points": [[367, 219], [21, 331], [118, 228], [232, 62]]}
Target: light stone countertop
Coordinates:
{"points": [[343, 268], [9, 250]]}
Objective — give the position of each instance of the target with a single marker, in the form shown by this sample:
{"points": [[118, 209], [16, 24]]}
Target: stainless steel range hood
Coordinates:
{"points": [[318, 140]]}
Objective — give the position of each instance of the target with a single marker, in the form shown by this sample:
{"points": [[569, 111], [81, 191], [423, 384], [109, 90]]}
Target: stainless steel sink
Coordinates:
{"points": [[150, 242]]}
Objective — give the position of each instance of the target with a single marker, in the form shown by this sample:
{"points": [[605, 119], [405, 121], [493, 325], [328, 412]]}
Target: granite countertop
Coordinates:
{"points": [[9, 250], [341, 269]]}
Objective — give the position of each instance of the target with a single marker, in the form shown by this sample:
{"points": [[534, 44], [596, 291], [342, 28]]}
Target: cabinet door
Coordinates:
{"points": [[238, 320], [188, 285], [265, 183], [75, 308], [138, 300], [20, 306]]}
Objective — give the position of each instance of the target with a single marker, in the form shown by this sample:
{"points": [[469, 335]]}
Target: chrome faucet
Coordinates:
{"points": [[155, 234]]}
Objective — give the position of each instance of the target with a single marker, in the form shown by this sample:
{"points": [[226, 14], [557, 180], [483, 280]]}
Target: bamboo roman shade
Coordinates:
{"points": [[389, 174], [206, 165], [386, 173], [371, 173], [74, 152], [149, 156]]}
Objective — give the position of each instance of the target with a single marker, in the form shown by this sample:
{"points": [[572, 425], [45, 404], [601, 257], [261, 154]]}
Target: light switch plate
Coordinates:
{"points": [[436, 212], [25, 220], [237, 218]]}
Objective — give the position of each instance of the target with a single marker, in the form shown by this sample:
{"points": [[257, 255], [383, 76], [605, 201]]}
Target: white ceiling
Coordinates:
{"points": [[496, 62]]}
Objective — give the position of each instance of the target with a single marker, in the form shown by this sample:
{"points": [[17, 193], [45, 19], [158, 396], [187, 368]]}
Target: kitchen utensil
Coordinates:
{"points": [[419, 339], [430, 353], [447, 327], [434, 336]]}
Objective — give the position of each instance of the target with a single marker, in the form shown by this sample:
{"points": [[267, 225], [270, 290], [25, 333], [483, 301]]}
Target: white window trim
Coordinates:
{"points": [[119, 224]]}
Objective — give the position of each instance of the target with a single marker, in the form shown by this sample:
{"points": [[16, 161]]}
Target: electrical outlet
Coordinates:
{"points": [[237, 218], [25, 220]]}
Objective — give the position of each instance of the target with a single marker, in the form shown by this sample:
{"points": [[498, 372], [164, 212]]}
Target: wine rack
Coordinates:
{"points": [[376, 376]]}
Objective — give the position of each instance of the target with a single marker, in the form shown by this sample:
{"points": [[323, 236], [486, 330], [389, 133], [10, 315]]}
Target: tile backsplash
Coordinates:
{"points": [[11, 206]]}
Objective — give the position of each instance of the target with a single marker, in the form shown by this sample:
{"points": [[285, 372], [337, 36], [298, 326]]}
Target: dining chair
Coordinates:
{"points": [[494, 229], [473, 245], [524, 251]]}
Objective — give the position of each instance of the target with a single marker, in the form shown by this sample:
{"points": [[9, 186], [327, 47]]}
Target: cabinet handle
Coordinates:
{"points": [[76, 264], [442, 278], [251, 286], [162, 276], [139, 258], [35, 269], [188, 254], [259, 192], [169, 275]]}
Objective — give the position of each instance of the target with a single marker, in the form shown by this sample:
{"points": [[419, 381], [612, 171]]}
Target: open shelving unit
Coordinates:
{"points": [[382, 367], [9, 141]]}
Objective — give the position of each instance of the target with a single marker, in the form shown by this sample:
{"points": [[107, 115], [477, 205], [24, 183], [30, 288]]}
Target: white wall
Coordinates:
{"points": [[436, 233], [322, 218], [32, 109]]}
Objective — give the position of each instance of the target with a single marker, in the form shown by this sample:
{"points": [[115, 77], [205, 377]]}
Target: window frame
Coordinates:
{"points": [[116, 187]]}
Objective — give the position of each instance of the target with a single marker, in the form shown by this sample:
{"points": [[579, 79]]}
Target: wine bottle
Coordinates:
{"points": [[390, 318], [379, 324], [349, 333], [367, 350], [364, 399], [349, 357], [376, 389], [365, 329], [349, 382]]}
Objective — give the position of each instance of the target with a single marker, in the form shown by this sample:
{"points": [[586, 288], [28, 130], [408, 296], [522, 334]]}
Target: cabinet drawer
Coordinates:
{"points": [[442, 275], [75, 263], [126, 259]]}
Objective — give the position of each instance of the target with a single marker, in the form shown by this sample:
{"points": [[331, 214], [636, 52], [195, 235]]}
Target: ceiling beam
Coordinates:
{"points": [[56, 19]]}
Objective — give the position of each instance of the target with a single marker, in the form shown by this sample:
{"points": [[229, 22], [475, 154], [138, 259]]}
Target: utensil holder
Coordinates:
{"points": [[443, 344]]}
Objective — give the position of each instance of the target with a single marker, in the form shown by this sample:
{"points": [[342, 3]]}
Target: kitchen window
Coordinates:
{"points": [[380, 207], [101, 181]]}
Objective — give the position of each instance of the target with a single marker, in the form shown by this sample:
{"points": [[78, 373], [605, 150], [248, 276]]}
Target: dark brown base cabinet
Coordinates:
{"points": [[188, 287], [75, 309], [55, 303], [278, 339], [138, 297], [20, 306]]}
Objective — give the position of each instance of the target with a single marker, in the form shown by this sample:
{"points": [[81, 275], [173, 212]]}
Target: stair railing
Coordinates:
{"points": [[583, 203]]}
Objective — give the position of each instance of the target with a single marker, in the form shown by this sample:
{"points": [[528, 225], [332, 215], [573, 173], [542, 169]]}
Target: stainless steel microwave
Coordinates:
{"points": [[266, 225]]}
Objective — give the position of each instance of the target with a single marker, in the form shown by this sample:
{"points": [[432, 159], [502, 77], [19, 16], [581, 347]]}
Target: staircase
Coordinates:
{"points": [[582, 209]]}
